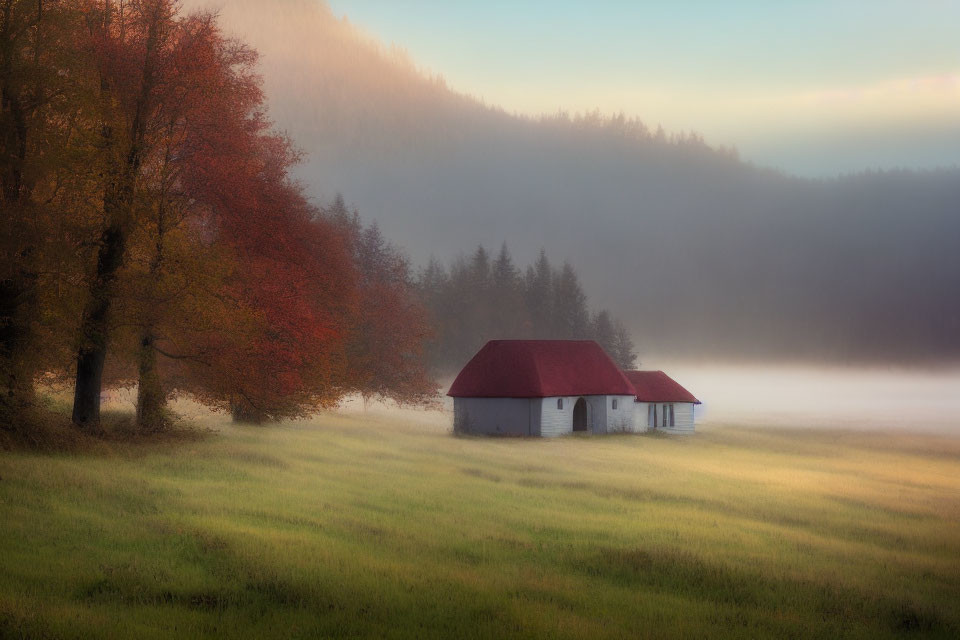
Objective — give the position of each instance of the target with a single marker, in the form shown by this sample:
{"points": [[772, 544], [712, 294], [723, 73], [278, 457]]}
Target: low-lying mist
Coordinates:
{"points": [[798, 396], [794, 396]]}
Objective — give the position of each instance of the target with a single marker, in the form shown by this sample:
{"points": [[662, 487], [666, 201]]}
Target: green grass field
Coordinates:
{"points": [[378, 526]]}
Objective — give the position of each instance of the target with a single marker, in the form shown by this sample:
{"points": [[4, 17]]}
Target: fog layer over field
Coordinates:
{"points": [[823, 397], [701, 254], [875, 399]]}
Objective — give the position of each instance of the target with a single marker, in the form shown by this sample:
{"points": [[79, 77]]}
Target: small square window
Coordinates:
{"points": [[560, 404], [614, 404]]}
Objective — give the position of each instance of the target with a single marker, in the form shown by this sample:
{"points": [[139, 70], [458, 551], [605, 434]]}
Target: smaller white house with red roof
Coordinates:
{"points": [[556, 387], [661, 403]]}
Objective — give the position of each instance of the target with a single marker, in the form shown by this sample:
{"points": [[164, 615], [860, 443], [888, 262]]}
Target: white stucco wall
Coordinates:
{"points": [[683, 417], [620, 420], [556, 422], [601, 416], [496, 416], [640, 413]]}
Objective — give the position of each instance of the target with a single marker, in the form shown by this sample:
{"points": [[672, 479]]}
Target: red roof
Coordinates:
{"points": [[656, 386], [540, 369]]}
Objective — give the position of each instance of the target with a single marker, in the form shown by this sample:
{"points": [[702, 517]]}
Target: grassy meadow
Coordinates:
{"points": [[385, 525]]}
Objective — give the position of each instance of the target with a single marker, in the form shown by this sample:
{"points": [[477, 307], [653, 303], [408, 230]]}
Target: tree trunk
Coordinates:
{"points": [[243, 413], [151, 399], [118, 203], [17, 297], [18, 282], [94, 330]]}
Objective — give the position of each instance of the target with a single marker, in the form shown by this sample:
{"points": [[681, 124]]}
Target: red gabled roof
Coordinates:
{"points": [[656, 386], [540, 369]]}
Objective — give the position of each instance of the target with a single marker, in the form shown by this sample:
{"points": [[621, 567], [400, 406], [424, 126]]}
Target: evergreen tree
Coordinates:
{"points": [[538, 296], [505, 274], [461, 323], [506, 296], [624, 352], [602, 330], [571, 320]]}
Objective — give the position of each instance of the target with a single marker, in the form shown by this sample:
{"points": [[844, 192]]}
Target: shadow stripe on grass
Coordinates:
{"points": [[683, 573]]}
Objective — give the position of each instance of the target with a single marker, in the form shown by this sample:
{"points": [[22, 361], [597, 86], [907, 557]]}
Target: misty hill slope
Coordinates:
{"points": [[700, 253]]}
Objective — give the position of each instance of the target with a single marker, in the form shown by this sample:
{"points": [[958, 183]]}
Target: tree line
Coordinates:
{"points": [[481, 297], [152, 233]]}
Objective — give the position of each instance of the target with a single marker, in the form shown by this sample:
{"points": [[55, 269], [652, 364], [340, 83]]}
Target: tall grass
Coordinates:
{"points": [[390, 527]]}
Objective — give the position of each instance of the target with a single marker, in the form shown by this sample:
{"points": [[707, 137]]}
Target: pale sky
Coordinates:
{"points": [[812, 87]]}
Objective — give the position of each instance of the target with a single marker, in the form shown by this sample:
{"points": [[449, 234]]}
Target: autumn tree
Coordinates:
{"points": [[179, 261], [292, 286], [42, 171], [131, 46], [18, 279]]}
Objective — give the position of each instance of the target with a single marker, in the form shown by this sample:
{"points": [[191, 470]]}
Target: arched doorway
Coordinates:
{"points": [[580, 415]]}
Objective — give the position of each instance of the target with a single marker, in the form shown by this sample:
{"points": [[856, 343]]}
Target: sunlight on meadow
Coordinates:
{"points": [[377, 525]]}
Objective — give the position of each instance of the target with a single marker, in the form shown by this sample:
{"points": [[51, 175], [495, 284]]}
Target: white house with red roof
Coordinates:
{"points": [[541, 388], [661, 403], [556, 387]]}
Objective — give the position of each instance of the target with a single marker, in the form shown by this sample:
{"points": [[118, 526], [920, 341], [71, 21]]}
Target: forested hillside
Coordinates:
{"points": [[700, 253]]}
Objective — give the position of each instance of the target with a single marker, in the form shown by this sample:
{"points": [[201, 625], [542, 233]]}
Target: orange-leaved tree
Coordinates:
{"points": [[292, 286]]}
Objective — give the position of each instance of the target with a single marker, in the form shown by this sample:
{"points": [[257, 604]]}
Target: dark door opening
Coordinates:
{"points": [[580, 415]]}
